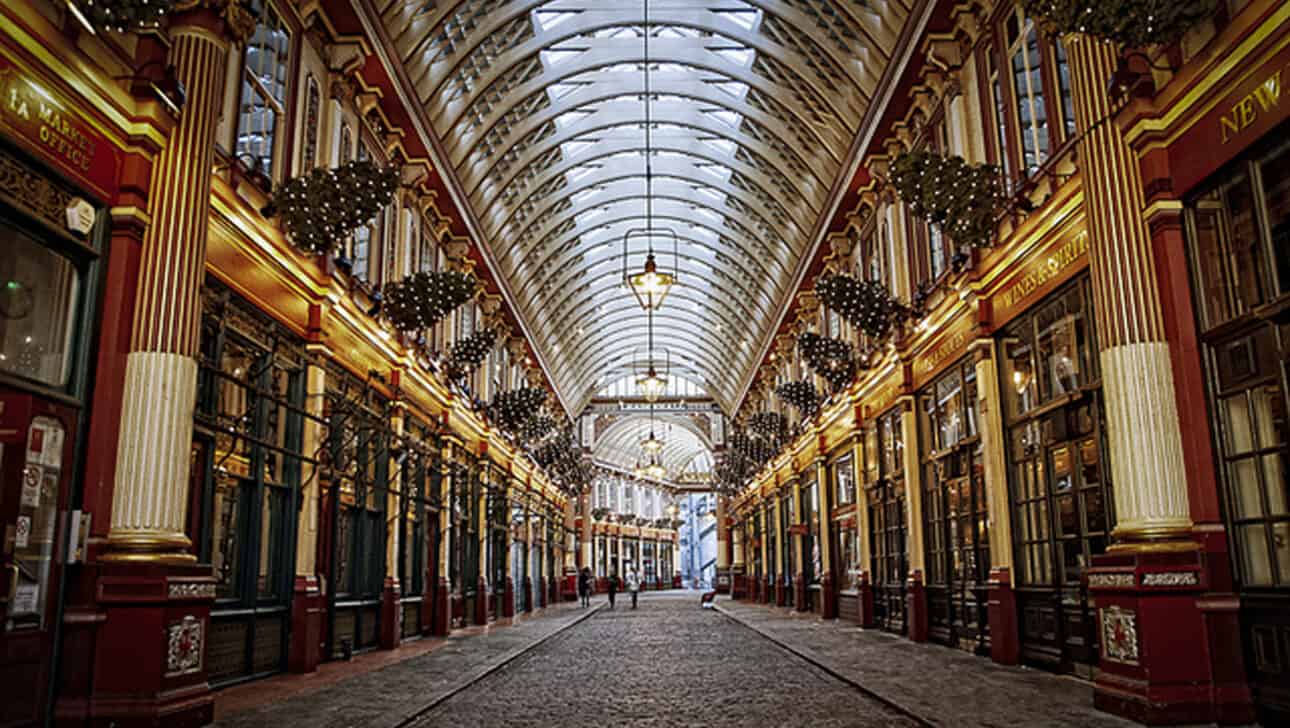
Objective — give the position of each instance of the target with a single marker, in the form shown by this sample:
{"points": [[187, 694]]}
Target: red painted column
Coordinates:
{"points": [[391, 614], [916, 607], [1005, 645]]}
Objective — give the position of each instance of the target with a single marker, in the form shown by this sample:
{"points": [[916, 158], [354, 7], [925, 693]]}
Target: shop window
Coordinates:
{"points": [[39, 295], [1062, 506], [313, 119], [1238, 228], [248, 457], [1026, 74], [262, 104], [888, 554]]}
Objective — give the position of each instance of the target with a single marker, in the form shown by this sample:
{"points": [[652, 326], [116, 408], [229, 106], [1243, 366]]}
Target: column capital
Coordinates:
{"points": [[238, 22]]}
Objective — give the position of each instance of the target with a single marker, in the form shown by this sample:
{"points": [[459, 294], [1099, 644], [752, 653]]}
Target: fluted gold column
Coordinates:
{"points": [[151, 481], [1148, 475], [588, 544], [315, 435], [913, 485], [998, 502], [723, 538]]}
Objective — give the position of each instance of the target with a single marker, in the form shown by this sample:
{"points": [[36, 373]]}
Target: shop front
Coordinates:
{"points": [[419, 534], [812, 574], [248, 456], [1061, 500], [49, 292], [534, 584], [844, 536], [788, 559], [356, 497], [1237, 226], [955, 515], [886, 505]]}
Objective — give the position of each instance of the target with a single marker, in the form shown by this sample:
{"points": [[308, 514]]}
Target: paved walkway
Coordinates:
{"points": [[390, 696], [667, 663], [943, 686]]}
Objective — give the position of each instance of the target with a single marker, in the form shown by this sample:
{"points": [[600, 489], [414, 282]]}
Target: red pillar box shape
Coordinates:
{"points": [[482, 596], [570, 587], [864, 601], [916, 607], [442, 624], [829, 609], [508, 598], [391, 614], [306, 625], [781, 596], [1005, 645]]}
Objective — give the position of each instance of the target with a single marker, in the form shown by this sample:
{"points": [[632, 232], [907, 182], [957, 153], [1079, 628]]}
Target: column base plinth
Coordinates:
{"points": [[916, 607], [160, 615], [391, 614], [1170, 648]]}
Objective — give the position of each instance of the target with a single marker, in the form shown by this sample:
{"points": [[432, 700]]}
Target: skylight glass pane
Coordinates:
{"points": [[548, 19]]}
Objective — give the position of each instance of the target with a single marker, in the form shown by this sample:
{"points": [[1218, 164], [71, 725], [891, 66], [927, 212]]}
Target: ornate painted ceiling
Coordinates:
{"points": [[538, 111]]}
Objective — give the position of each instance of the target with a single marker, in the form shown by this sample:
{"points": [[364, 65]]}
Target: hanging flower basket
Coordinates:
{"points": [[961, 198], [511, 409], [1134, 23], [865, 304], [422, 299], [770, 425], [801, 395], [599, 514], [536, 428], [319, 208], [124, 16], [830, 358], [470, 352]]}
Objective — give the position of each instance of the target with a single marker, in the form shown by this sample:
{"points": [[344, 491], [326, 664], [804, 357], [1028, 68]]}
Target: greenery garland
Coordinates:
{"points": [[961, 198], [771, 426], [536, 428], [471, 351], [865, 304], [599, 514], [513, 408], [1133, 23], [830, 358], [124, 16], [422, 299], [322, 206], [801, 395]]}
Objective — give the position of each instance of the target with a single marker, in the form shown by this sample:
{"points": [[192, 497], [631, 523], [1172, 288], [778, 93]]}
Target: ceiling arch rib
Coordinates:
{"points": [[789, 148], [566, 235], [716, 155], [733, 202], [540, 108], [619, 445]]}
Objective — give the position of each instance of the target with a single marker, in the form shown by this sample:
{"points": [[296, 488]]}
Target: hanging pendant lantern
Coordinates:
{"points": [[650, 283]]}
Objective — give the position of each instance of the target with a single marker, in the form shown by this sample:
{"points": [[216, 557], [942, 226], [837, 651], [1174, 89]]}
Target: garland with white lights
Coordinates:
{"points": [[599, 514], [961, 198], [320, 207], [831, 358], [422, 299], [865, 304], [470, 352], [124, 16], [801, 395], [511, 409], [771, 426], [1135, 23], [536, 428]]}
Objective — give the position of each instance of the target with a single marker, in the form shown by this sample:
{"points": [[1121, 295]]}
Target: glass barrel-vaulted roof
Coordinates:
{"points": [[540, 110]]}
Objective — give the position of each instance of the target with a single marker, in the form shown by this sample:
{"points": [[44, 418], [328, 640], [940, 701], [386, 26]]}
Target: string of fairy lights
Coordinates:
{"points": [[961, 198], [319, 208], [1133, 23]]}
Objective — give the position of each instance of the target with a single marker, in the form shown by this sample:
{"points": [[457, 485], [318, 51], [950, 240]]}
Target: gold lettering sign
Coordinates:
{"points": [[1040, 272], [41, 119], [1263, 99], [948, 347]]}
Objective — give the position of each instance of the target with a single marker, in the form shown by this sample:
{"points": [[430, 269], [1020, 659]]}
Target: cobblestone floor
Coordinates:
{"points": [[944, 686], [387, 697], [667, 663]]}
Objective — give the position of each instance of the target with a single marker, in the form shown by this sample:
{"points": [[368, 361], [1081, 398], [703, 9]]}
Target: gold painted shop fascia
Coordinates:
{"points": [[1187, 99], [111, 110]]}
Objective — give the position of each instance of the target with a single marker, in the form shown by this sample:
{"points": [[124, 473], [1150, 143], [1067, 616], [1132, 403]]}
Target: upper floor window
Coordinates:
{"points": [[1034, 109], [262, 105]]}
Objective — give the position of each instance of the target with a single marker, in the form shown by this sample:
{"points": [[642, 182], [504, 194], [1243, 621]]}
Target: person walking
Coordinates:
{"points": [[584, 585], [633, 585], [613, 588]]}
